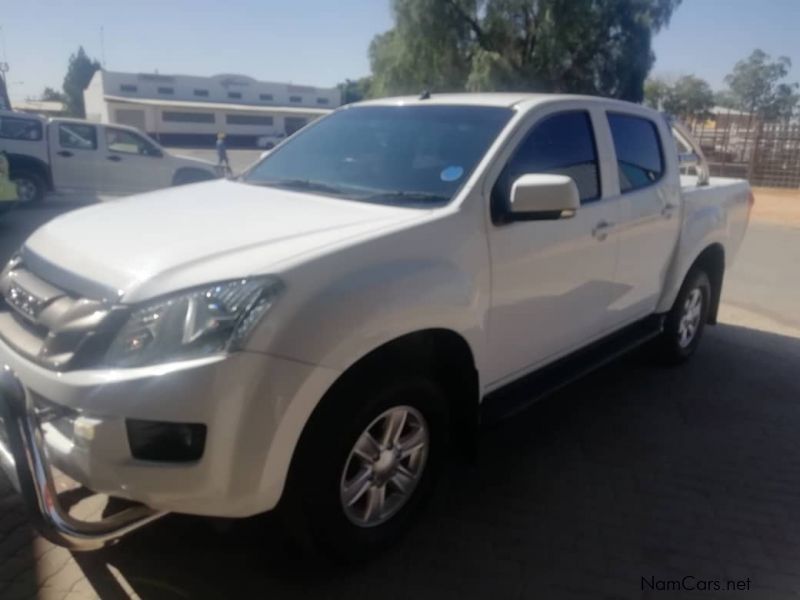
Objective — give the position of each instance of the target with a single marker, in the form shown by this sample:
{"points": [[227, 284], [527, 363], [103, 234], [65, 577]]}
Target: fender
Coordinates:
{"points": [[23, 161]]}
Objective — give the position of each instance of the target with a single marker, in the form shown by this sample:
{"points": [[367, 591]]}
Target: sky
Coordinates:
{"points": [[321, 42]]}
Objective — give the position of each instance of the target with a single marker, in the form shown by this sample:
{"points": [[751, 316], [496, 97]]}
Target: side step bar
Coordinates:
{"points": [[521, 393], [23, 459]]}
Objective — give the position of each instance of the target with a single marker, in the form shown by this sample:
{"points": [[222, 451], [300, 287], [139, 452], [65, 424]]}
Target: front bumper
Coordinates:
{"points": [[24, 460]]}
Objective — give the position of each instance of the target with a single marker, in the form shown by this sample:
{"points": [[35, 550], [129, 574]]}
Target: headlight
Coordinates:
{"points": [[199, 322]]}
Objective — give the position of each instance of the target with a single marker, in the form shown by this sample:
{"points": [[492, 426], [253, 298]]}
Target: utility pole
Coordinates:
{"points": [[5, 102]]}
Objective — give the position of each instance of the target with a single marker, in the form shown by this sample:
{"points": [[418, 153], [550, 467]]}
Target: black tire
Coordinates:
{"points": [[672, 346], [30, 184], [187, 176], [312, 507]]}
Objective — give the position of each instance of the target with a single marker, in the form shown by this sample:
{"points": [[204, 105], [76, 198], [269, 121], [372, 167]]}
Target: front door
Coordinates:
{"points": [[133, 163], [552, 281]]}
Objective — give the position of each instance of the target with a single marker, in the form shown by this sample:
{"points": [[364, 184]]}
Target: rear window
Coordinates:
{"points": [[12, 128], [640, 161]]}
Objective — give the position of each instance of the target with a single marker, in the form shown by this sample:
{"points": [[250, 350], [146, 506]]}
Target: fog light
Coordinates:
{"points": [[166, 442]]}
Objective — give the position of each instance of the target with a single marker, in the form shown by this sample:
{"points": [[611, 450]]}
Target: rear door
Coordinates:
{"points": [[133, 163], [75, 157], [650, 189]]}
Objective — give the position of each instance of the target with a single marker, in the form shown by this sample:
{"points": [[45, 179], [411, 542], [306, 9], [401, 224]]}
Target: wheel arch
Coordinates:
{"points": [[18, 162], [185, 175], [712, 261]]}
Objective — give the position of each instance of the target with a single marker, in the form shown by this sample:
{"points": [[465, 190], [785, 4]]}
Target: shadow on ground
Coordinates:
{"points": [[633, 472]]}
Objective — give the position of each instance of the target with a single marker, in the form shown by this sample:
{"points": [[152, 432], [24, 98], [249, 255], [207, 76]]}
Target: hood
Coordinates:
{"points": [[123, 244]]}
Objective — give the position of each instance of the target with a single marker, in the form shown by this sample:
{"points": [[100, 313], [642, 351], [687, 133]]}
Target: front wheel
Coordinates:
{"points": [[685, 323], [30, 186], [366, 464]]}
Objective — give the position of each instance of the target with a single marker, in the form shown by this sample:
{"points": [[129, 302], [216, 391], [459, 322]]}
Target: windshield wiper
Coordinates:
{"points": [[301, 184], [407, 197]]}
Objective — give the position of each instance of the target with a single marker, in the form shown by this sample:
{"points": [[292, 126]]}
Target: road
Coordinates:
{"points": [[634, 472]]}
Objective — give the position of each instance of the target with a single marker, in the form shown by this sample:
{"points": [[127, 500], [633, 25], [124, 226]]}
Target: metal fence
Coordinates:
{"points": [[766, 154]]}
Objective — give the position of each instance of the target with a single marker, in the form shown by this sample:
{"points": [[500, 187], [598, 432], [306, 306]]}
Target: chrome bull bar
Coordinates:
{"points": [[23, 458]]}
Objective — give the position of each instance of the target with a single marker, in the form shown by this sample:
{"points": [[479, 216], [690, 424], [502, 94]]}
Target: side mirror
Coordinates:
{"points": [[687, 160], [543, 197]]}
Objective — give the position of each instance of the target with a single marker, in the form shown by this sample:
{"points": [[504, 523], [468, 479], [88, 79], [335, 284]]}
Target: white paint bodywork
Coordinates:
{"points": [[356, 277]]}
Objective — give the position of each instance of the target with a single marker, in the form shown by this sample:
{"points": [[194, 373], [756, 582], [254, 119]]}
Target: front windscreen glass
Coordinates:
{"points": [[407, 155]]}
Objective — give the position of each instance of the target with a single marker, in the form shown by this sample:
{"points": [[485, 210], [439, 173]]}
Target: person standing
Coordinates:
{"points": [[222, 155]]}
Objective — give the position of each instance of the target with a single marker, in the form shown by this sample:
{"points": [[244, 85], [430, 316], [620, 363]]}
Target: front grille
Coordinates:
{"points": [[56, 328]]}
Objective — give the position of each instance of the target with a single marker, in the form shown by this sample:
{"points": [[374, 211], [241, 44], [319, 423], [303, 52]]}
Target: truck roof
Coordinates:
{"points": [[499, 99]]}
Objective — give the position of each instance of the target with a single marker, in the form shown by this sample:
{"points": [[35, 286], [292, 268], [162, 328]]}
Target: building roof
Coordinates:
{"points": [[44, 106], [289, 110]]}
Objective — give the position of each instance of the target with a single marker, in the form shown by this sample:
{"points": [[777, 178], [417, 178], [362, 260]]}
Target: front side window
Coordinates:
{"points": [[640, 162], [77, 136], [127, 142], [560, 144], [408, 156], [13, 128]]}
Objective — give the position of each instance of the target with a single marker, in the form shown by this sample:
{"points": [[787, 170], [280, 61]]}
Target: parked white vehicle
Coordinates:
{"points": [[70, 155], [312, 336]]}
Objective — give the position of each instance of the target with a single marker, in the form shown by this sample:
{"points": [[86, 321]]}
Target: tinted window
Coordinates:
{"points": [[561, 144], [639, 159], [248, 120], [77, 136], [127, 142], [412, 155], [28, 130], [187, 117]]}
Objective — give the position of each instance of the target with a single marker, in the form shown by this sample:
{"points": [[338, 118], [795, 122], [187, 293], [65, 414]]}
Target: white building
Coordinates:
{"points": [[183, 110]]}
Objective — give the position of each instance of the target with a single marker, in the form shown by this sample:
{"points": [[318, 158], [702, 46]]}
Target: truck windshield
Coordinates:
{"points": [[406, 155]]}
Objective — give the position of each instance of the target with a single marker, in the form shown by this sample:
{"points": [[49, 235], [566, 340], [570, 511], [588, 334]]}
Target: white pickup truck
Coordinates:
{"points": [[313, 336], [70, 155]]}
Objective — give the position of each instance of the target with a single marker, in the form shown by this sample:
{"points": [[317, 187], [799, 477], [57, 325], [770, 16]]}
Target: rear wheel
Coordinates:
{"points": [[685, 323], [30, 186], [365, 466]]}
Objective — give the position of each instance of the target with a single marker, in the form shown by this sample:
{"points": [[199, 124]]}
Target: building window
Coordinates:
{"points": [[265, 97], [187, 117], [323, 101], [166, 90], [127, 87], [235, 95], [248, 120], [201, 93], [295, 99]]}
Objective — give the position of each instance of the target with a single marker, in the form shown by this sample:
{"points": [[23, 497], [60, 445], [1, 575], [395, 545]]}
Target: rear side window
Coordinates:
{"points": [[77, 136], [640, 161], [561, 144], [12, 128]]}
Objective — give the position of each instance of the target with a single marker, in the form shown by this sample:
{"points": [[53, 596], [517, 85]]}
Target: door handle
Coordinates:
{"points": [[667, 211], [65, 153], [600, 231], [114, 158]]}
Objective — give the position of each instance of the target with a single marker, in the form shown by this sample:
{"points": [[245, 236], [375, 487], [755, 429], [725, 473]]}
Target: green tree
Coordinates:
{"points": [[582, 46], [784, 104], [655, 92], [754, 84], [79, 73], [354, 90], [689, 98], [52, 95]]}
